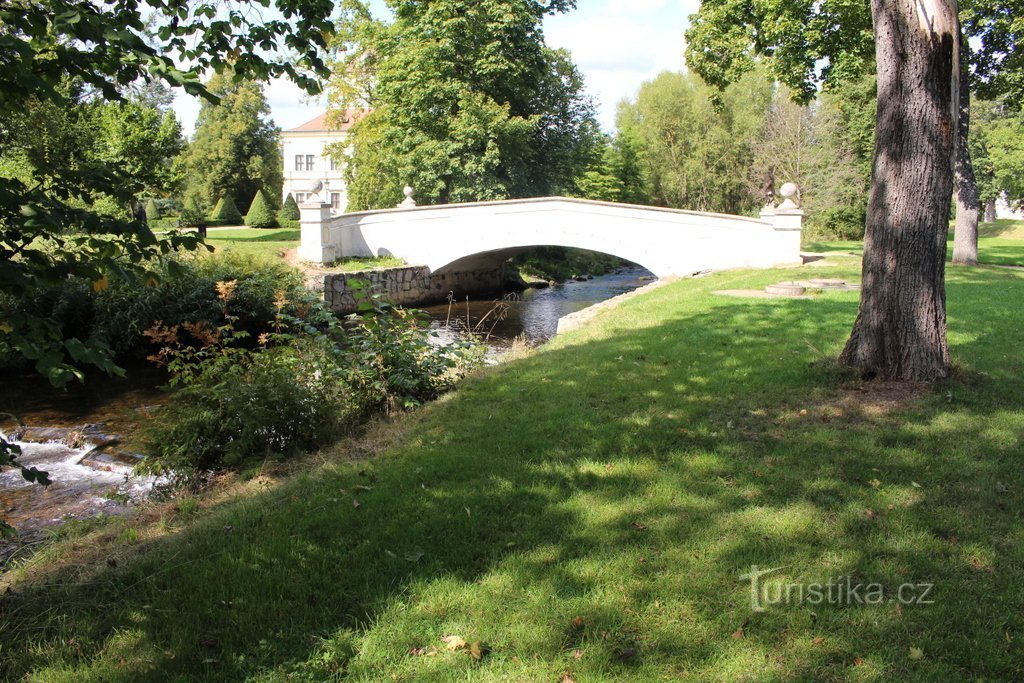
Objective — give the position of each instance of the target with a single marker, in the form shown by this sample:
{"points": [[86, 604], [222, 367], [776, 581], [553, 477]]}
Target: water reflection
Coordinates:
{"points": [[536, 312]]}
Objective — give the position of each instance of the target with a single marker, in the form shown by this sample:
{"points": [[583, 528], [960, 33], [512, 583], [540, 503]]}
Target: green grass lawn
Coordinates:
{"points": [[254, 242], [587, 511], [999, 244]]}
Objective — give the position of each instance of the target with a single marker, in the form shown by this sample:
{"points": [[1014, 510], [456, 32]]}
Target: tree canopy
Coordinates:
{"points": [[234, 152], [467, 102]]}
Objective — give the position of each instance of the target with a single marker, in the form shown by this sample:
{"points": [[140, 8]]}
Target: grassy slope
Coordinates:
{"points": [[599, 499]]}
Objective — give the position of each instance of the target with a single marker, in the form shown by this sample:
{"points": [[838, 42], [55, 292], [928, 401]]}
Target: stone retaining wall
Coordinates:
{"points": [[407, 286]]}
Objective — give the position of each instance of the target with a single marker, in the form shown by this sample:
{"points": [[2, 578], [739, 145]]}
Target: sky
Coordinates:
{"points": [[617, 44]]}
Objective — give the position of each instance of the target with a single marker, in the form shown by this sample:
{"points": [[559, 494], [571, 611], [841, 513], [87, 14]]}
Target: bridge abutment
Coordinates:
{"points": [[408, 286]]}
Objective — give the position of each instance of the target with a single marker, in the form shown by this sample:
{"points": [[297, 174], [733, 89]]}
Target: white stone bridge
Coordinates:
{"points": [[462, 239]]}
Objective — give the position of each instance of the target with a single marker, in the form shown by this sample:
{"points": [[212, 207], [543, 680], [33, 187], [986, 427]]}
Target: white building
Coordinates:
{"points": [[306, 160]]}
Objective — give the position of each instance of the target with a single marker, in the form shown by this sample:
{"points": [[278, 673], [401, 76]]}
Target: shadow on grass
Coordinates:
{"points": [[603, 498]]}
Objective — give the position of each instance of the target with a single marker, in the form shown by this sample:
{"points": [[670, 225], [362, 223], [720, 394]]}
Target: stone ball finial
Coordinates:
{"points": [[790, 192], [315, 187], [408, 201]]}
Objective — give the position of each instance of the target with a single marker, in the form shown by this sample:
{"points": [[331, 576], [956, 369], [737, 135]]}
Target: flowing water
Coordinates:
{"points": [[70, 436], [533, 314]]}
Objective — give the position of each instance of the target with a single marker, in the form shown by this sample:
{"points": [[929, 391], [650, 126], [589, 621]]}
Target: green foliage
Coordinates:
{"points": [[695, 155], [152, 211], [234, 152], [182, 291], [468, 103], [261, 215], [299, 389], [563, 263], [812, 146], [56, 50], [237, 404], [225, 210], [997, 144], [996, 28], [618, 176], [290, 209]]}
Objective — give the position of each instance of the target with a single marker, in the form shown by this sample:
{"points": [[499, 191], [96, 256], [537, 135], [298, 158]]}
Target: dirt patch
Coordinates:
{"points": [[861, 402]]}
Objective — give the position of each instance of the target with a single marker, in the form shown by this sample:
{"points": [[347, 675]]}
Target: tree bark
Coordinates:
{"points": [[900, 331], [968, 199], [990, 211]]}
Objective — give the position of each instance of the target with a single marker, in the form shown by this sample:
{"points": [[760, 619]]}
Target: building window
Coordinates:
{"points": [[333, 164], [300, 197], [309, 162], [336, 201], [300, 162]]}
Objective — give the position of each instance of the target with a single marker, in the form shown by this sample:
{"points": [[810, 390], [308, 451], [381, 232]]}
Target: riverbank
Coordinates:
{"points": [[586, 512]]}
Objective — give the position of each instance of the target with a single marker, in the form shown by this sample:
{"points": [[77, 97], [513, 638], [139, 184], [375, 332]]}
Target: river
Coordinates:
{"points": [[533, 314]]}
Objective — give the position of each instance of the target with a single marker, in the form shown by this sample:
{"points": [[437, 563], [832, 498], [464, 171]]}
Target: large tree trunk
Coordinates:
{"points": [[990, 211], [968, 200], [900, 332]]}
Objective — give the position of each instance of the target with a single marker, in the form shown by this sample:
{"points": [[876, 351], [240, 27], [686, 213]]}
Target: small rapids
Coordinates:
{"points": [[87, 481]]}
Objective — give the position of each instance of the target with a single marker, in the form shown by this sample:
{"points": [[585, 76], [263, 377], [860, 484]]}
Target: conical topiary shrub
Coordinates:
{"points": [[260, 214], [226, 212], [152, 210], [290, 209]]}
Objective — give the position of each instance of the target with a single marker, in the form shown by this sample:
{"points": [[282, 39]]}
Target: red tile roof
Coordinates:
{"points": [[346, 119]]}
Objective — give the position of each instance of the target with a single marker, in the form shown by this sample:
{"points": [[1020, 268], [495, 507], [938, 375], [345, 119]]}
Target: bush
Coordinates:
{"points": [[152, 210], [225, 210], [193, 213], [239, 405], [300, 389], [289, 224], [260, 215], [185, 292], [290, 209]]}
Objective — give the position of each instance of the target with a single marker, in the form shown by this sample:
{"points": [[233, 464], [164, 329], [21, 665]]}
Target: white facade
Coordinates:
{"points": [[307, 162]]}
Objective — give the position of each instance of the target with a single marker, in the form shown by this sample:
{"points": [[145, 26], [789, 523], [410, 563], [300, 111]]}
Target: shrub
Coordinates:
{"points": [[290, 209], [300, 389], [260, 215], [225, 210], [193, 212], [152, 210], [185, 292], [239, 405]]}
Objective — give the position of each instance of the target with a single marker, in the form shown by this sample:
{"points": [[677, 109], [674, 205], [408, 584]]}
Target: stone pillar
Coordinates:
{"points": [[314, 222], [788, 220]]}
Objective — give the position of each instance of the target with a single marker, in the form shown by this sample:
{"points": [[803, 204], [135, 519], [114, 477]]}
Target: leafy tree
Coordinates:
{"points": [[48, 230], [152, 210], [900, 332], [234, 152], [226, 210], [808, 145], [696, 153], [1001, 136], [468, 103], [261, 214], [290, 209]]}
